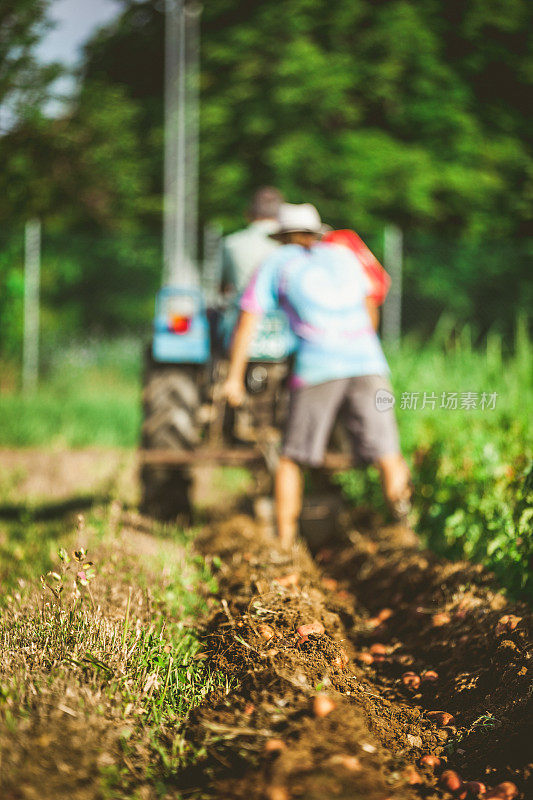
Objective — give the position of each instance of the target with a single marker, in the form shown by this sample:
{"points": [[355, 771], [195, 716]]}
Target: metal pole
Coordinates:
{"points": [[181, 143], [393, 262], [192, 12], [32, 276], [170, 228], [180, 266]]}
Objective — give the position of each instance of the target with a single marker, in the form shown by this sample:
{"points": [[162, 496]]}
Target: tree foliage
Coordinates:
{"points": [[377, 111], [23, 81]]}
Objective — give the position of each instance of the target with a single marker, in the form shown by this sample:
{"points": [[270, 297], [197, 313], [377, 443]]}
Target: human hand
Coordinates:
{"points": [[234, 391]]}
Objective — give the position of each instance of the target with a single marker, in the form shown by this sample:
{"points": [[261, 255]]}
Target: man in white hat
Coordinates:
{"points": [[339, 363]]}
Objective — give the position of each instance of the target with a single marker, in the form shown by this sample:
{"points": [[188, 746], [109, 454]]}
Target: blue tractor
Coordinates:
{"points": [[186, 421]]}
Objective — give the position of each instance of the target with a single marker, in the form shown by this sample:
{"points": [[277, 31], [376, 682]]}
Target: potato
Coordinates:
{"points": [[291, 580], [412, 776], [430, 676], [275, 745], [507, 790], [440, 717], [440, 619], [450, 780], [378, 650], [316, 628], [323, 705], [351, 763], [430, 761], [265, 631], [342, 594], [507, 623], [344, 655], [385, 613], [278, 793], [366, 658], [342, 659], [411, 680]]}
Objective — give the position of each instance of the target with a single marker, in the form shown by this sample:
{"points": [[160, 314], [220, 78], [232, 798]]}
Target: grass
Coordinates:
{"points": [[470, 467], [447, 365], [112, 642], [89, 396]]}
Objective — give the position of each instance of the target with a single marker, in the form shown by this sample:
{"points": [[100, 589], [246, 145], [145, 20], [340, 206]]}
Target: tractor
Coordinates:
{"points": [[185, 419]]}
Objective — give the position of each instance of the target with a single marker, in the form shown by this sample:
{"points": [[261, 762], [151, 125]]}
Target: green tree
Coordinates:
{"points": [[24, 83], [376, 111], [364, 109], [24, 88]]}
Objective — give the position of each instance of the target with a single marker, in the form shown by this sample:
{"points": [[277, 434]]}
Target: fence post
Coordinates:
{"points": [[32, 278], [212, 267], [393, 262]]}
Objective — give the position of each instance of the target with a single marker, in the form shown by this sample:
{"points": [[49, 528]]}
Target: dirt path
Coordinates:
{"points": [[418, 655]]}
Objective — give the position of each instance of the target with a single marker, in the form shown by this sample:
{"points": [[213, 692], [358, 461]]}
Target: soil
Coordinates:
{"points": [[31, 477], [387, 607], [375, 591]]}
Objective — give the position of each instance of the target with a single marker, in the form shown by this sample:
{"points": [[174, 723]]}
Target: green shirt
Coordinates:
{"points": [[243, 252]]}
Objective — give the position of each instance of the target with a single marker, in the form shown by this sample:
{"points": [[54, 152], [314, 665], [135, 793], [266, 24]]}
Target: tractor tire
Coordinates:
{"points": [[171, 400]]}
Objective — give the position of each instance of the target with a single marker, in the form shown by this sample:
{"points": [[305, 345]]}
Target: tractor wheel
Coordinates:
{"points": [[171, 400]]}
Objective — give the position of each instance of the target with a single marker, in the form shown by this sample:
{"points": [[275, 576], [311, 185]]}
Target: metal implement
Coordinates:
{"points": [[229, 456]]}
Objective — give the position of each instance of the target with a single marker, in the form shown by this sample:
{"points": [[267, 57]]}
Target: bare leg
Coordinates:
{"points": [[288, 500], [395, 480]]}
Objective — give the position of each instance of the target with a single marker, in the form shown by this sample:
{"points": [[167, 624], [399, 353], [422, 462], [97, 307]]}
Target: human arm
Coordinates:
{"points": [[260, 296], [234, 389]]}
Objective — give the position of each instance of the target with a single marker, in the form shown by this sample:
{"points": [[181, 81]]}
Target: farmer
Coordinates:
{"points": [[243, 251], [339, 363]]}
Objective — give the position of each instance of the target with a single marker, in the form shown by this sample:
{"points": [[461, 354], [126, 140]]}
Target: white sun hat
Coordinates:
{"points": [[297, 218]]}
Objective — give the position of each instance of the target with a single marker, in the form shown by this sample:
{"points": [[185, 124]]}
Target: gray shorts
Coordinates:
{"points": [[313, 411]]}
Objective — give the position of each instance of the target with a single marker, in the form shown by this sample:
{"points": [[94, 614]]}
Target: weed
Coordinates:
{"points": [[110, 635]]}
